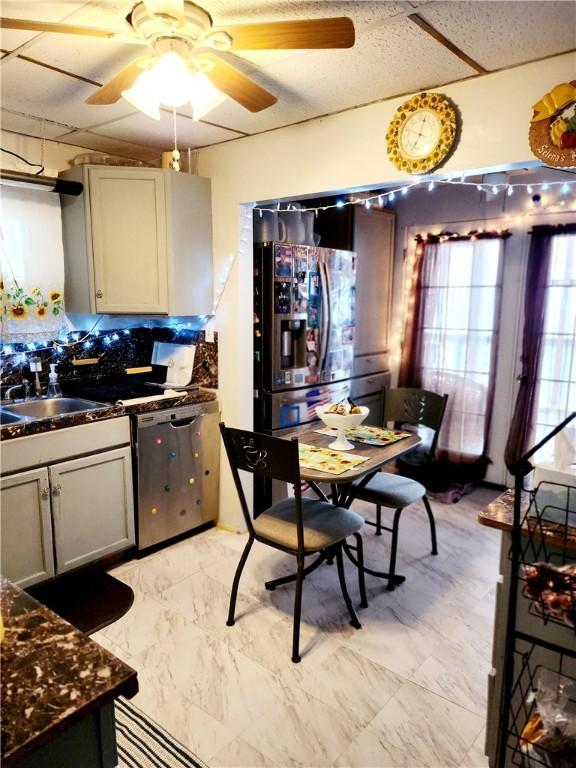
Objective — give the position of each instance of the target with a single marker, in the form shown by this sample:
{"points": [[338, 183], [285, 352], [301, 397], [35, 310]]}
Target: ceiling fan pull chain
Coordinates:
{"points": [[175, 152], [42, 145]]}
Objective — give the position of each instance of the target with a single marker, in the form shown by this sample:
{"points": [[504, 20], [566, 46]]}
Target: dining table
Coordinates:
{"points": [[341, 490]]}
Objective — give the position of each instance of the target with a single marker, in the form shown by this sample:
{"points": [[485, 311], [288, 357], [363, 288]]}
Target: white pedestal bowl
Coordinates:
{"points": [[341, 423]]}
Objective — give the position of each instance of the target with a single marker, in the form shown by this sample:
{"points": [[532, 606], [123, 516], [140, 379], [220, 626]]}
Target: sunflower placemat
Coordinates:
{"points": [[369, 435], [326, 460]]}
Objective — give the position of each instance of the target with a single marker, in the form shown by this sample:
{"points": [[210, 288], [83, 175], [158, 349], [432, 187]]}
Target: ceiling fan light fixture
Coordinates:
{"points": [[173, 79], [203, 96], [144, 95], [172, 82]]}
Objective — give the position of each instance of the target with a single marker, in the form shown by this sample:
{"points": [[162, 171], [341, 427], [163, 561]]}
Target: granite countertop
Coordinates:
{"points": [[52, 674], [500, 514], [23, 429]]}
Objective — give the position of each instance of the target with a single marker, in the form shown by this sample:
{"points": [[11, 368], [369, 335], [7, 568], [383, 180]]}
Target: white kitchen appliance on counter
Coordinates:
{"points": [[179, 362]]}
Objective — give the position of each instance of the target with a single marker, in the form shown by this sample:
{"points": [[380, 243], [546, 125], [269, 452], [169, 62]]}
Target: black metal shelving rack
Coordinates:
{"points": [[521, 670]]}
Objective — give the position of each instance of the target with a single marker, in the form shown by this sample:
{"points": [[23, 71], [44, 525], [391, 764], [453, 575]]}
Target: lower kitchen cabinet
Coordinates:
{"points": [[92, 507], [70, 511], [26, 527]]}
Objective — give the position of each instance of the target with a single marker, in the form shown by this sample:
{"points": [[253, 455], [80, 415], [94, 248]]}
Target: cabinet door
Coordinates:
{"points": [[128, 220], [374, 244], [26, 528], [92, 507]]}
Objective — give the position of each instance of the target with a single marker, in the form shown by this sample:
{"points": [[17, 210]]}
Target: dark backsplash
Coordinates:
{"points": [[129, 350]]}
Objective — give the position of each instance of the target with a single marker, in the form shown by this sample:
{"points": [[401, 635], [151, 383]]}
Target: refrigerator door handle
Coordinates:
{"points": [[326, 325]]}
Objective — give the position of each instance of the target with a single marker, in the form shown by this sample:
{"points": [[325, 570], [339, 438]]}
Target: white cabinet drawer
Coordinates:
{"points": [[49, 447]]}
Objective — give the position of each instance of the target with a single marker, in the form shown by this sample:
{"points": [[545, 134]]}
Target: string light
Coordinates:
{"points": [[389, 195]]}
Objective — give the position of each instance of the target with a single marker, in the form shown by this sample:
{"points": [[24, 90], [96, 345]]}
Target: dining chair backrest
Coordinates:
{"points": [[418, 407], [270, 457]]}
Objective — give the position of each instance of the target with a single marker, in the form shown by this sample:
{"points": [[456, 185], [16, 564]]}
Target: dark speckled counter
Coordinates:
{"points": [[500, 514], [52, 675], [22, 429]]}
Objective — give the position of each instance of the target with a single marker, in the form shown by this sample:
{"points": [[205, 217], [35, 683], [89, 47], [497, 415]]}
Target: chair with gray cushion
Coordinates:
{"points": [[416, 410], [298, 526]]}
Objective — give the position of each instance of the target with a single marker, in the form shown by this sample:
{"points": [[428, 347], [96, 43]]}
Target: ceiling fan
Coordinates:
{"points": [[186, 63]]}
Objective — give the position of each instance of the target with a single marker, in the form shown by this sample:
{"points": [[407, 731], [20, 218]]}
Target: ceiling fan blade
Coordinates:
{"points": [[65, 29], [235, 84], [111, 91], [337, 32]]}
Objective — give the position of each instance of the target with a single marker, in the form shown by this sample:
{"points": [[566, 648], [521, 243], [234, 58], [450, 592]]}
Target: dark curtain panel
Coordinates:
{"points": [[409, 362], [521, 427]]}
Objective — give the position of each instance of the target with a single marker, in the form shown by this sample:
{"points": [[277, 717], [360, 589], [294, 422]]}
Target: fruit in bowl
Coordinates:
{"points": [[341, 416]]}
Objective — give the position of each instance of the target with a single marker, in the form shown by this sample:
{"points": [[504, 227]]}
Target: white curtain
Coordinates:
{"points": [[458, 337], [31, 265]]}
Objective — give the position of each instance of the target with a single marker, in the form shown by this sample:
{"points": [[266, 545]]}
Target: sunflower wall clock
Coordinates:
{"points": [[423, 132], [553, 127]]}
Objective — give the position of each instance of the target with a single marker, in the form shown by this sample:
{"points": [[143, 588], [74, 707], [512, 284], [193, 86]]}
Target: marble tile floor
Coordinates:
{"points": [[408, 689]]}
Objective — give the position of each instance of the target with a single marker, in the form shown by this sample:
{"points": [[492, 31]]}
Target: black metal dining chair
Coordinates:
{"points": [[296, 525], [408, 408]]}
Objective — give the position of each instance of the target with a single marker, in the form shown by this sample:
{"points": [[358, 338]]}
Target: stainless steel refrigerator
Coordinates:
{"points": [[304, 333]]}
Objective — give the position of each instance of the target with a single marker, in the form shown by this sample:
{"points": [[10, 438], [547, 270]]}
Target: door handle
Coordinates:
{"points": [[45, 492], [99, 295], [56, 489]]}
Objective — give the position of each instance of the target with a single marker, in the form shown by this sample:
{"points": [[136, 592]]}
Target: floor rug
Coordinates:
{"points": [[90, 600], [142, 743]]}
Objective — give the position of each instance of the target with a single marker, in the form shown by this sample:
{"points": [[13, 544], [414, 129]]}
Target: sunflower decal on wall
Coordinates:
{"points": [[423, 133]]}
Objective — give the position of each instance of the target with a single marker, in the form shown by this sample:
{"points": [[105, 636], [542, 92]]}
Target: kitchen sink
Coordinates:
{"points": [[44, 409], [11, 418]]}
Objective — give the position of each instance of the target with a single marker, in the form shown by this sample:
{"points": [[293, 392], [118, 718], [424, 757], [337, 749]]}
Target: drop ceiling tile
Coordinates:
{"points": [[160, 134], [110, 145], [258, 11], [37, 10], [29, 126], [391, 60], [366, 16], [92, 58], [41, 92], [503, 34]]}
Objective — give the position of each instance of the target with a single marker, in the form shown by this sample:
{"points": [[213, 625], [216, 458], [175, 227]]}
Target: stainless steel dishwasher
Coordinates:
{"points": [[177, 452]]}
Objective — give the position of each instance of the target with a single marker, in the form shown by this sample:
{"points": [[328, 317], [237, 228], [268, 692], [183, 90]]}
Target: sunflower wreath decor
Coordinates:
{"points": [[423, 133]]}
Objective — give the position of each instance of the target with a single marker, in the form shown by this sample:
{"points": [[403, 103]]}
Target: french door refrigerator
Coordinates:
{"points": [[304, 330]]}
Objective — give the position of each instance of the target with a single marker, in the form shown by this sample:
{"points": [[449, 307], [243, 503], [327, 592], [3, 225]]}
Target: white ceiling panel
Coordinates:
{"points": [[160, 134], [94, 59], [502, 34], [29, 126], [388, 61], [110, 145], [41, 92]]}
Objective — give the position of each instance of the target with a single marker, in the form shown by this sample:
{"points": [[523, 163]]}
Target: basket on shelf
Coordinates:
{"points": [[547, 562], [533, 741]]}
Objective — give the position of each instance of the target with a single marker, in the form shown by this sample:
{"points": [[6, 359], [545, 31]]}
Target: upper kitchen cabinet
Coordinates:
{"points": [[137, 241]]}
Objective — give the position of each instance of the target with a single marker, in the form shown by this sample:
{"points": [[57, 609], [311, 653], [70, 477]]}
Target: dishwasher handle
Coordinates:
{"points": [[182, 423]]}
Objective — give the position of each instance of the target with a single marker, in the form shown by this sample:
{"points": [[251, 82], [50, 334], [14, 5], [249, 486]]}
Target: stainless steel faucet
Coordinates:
{"points": [[25, 385]]}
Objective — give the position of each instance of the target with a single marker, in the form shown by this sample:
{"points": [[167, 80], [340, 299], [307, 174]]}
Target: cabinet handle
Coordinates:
{"points": [[56, 489], [99, 295], [45, 492]]}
